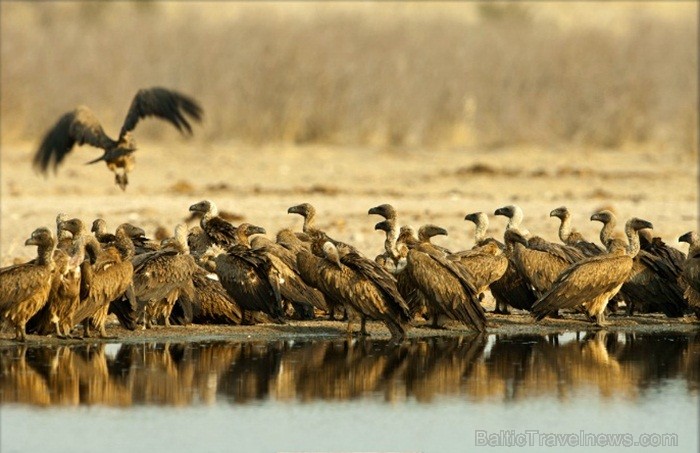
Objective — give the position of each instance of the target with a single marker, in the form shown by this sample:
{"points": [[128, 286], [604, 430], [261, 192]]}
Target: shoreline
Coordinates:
{"points": [[513, 324]]}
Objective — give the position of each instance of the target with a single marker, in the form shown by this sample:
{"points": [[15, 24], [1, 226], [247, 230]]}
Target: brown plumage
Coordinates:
{"points": [[82, 127], [673, 257], [513, 288], [316, 237], [307, 266], [247, 274], [417, 302], [540, 261], [161, 278], [652, 285], [366, 287], [294, 290], [485, 264], [110, 276], [218, 231], [212, 304], [138, 236], [590, 283], [571, 237], [24, 288], [691, 271], [67, 291], [444, 283]]}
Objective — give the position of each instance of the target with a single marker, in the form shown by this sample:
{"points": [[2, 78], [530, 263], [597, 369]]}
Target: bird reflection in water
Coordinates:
{"points": [[478, 368]]}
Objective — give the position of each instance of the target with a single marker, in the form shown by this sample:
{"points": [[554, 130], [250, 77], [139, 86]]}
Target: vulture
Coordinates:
{"points": [[212, 304], [306, 264], [293, 289], [591, 282], [417, 302], [390, 259], [515, 218], [481, 224], [68, 289], [691, 271], [110, 274], [539, 261], [485, 264], [82, 127], [673, 257], [445, 284], [652, 284], [247, 274], [24, 288], [308, 212], [512, 287], [163, 276], [137, 235], [571, 237], [217, 230], [366, 287]]}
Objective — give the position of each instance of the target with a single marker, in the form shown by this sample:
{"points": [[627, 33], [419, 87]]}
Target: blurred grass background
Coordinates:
{"points": [[429, 75]]}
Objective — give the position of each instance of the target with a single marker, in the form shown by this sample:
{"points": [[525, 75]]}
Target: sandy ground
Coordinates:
{"points": [[425, 186]]}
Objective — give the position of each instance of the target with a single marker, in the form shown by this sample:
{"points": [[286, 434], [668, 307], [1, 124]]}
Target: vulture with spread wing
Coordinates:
{"points": [[82, 127]]}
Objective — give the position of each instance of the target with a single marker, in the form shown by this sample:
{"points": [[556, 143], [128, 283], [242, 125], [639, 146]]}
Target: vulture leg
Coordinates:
{"points": [[20, 334], [436, 322], [348, 331], [600, 319], [86, 328], [501, 308], [363, 326]]}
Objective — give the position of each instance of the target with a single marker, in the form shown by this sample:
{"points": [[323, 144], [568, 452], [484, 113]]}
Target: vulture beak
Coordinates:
{"points": [[256, 230], [384, 226]]}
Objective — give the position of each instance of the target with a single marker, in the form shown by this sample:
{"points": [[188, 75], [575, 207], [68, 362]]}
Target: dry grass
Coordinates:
{"points": [[340, 75]]}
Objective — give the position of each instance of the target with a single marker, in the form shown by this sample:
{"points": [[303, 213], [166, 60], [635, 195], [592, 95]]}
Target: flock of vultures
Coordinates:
{"points": [[221, 273]]}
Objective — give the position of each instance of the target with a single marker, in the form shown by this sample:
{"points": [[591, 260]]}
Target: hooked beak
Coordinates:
{"points": [[256, 230]]}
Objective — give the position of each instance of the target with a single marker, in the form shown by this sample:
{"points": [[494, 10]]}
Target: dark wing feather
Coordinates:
{"points": [[653, 283], [79, 126], [165, 104], [513, 288], [379, 276], [220, 231]]}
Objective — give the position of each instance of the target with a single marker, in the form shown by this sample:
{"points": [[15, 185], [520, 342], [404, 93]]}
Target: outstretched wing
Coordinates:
{"points": [[165, 104], [79, 126]]}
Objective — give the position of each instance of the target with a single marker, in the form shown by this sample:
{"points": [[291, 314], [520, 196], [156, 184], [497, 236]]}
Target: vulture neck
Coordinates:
{"points": [[92, 247], [390, 242], [309, 222], [515, 220], [210, 214], [565, 229], [607, 231], [633, 238], [480, 232], [242, 238], [45, 253], [124, 245]]}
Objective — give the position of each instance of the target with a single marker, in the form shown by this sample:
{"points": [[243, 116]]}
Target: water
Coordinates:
{"points": [[428, 395]]}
